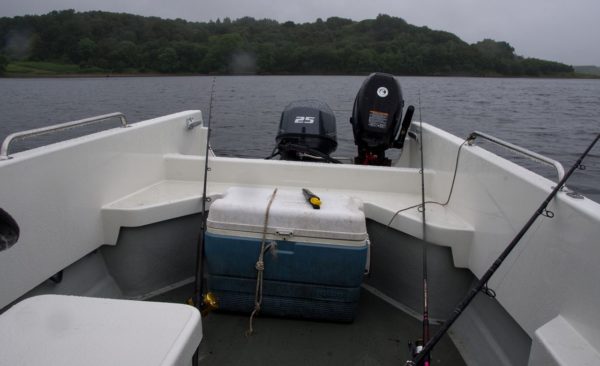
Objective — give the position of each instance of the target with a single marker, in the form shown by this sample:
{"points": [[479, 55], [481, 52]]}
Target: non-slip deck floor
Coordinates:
{"points": [[378, 336]]}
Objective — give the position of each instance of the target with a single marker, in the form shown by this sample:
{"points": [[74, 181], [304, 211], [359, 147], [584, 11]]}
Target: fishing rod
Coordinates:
{"points": [[422, 357], [198, 301], [425, 337]]}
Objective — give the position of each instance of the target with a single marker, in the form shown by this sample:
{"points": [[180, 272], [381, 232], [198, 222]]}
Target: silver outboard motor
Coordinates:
{"points": [[376, 119], [307, 132]]}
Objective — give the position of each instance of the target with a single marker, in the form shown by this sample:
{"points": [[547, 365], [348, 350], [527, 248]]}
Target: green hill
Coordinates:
{"points": [[110, 42], [590, 70]]}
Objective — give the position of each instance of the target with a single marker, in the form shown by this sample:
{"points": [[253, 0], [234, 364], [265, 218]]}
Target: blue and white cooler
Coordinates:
{"points": [[315, 261]]}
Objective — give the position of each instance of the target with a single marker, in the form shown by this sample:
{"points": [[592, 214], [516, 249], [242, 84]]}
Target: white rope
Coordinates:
{"points": [[260, 267]]}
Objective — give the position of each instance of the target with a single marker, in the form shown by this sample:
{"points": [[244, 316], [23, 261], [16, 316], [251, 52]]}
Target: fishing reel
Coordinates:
{"points": [[414, 349], [209, 303]]}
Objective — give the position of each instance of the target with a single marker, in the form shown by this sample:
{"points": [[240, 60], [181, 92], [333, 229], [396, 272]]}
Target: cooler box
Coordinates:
{"points": [[316, 261]]}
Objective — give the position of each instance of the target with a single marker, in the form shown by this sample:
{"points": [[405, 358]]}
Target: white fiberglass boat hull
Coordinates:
{"points": [[74, 197]]}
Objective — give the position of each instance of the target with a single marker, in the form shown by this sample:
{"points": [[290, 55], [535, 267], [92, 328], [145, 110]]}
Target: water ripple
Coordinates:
{"points": [[550, 116]]}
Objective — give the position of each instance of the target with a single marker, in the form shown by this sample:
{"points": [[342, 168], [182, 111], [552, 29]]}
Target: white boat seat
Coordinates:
{"points": [[169, 199], [559, 343], [71, 330], [180, 195]]}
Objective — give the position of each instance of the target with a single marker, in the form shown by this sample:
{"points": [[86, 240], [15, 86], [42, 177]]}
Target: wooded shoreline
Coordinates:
{"points": [[68, 43]]}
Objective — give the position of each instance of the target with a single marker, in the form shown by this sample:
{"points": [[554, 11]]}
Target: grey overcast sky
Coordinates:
{"points": [[561, 30]]}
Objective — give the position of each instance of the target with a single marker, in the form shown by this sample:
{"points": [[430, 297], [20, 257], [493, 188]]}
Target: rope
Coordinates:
{"points": [[260, 267]]}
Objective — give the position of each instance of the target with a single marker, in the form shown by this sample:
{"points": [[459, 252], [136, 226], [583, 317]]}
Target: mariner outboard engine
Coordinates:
{"points": [[376, 119], [307, 132]]}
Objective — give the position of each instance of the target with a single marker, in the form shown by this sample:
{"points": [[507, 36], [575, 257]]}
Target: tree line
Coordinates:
{"points": [[129, 43]]}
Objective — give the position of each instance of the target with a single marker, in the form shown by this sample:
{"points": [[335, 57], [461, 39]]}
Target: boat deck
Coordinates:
{"points": [[378, 336]]}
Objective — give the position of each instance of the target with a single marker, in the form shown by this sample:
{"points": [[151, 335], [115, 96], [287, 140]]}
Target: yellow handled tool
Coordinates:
{"points": [[312, 198]]}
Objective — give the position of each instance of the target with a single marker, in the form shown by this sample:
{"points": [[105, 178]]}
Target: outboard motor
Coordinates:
{"points": [[376, 119], [307, 132]]}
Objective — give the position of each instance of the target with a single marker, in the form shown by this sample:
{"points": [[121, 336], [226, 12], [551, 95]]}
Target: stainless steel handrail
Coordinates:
{"points": [[560, 171], [58, 127]]}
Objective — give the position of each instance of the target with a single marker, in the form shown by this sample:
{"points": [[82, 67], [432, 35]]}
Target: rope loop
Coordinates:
{"points": [[260, 267]]}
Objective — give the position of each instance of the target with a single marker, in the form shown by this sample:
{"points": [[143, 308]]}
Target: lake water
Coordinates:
{"points": [[554, 117]]}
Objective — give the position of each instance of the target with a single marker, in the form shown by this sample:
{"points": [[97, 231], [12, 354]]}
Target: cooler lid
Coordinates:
{"points": [[243, 209]]}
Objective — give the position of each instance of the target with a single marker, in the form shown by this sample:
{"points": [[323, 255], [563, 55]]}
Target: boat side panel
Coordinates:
{"points": [[554, 268], [89, 277], [485, 333], [56, 192], [153, 257]]}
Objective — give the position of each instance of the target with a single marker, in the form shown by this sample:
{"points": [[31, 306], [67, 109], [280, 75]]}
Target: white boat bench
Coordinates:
{"points": [[180, 195]]}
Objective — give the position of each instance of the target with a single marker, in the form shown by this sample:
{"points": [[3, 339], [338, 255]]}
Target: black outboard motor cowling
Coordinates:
{"points": [[376, 118], [307, 131]]}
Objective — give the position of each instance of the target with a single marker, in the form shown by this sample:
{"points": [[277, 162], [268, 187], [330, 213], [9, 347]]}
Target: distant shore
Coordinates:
{"points": [[34, 69], [153, 75]]}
